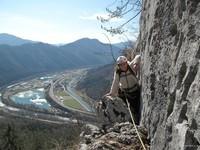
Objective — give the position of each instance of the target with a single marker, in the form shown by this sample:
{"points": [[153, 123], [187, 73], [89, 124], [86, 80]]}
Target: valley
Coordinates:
{"points": [[51, 98]]}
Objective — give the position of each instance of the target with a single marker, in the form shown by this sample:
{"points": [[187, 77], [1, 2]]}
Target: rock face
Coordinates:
{"points": [[112, 110], [169, 43], [115, 133], [122, 136]]}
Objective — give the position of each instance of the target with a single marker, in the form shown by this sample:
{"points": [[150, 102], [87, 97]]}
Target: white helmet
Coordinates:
{"points": [[121, 59]]}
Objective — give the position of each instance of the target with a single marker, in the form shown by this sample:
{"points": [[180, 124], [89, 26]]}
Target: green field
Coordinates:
{"points": [[69, 101], [61, 93]]}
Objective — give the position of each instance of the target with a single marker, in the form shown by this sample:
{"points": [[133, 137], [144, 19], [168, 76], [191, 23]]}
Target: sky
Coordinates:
{"points": [[59, 21]]}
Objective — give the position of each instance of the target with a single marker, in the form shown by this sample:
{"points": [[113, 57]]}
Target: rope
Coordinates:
{"points": [[128, 104], [111, 50]]}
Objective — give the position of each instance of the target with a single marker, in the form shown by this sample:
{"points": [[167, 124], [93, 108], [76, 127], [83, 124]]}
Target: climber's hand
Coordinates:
{"points": [[107, 95], [135, 67]]}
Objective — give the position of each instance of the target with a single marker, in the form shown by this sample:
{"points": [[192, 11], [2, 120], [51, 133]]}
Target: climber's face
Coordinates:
{"points": [[123, 66]]}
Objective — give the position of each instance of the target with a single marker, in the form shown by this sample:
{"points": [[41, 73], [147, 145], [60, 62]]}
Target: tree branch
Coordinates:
{"points": [[124, 8], [130, 19]]}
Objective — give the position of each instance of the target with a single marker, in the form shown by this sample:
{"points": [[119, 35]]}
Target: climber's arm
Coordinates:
{"points": [[115, 86], [135, 64]]}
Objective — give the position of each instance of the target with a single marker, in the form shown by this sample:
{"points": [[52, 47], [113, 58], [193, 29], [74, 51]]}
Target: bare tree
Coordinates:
{"points": [[122, 8]]}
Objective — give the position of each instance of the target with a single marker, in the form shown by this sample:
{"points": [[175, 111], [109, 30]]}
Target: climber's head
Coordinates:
{"points": [[121, 59], [122, 63]]}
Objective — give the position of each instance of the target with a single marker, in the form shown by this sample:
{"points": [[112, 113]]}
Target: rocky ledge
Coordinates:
{"points": [[114, 132], [122, 136]]}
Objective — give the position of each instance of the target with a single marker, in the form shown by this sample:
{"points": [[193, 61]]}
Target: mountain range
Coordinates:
{"points": [[12, 40], [31, 58]]}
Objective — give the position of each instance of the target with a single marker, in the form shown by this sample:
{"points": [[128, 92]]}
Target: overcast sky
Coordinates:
{"points": [[57, 21]]}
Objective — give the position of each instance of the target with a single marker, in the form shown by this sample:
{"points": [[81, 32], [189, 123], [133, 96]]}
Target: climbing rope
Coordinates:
{"points": [[126, 98], [128, 104], [111, 49]]}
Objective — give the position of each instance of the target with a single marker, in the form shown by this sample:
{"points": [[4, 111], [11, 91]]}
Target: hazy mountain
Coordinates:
{"points": [[123, 45], [12, 40], [92, 49], [28, 59]]}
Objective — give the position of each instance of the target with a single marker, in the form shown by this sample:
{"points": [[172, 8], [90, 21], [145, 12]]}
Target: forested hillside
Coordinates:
{"points": [[19, 133], [97, 81], [33, 58]]}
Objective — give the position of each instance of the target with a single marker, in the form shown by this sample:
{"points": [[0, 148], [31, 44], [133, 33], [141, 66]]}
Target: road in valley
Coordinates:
{"points": [[70, 91], [49, 117]]}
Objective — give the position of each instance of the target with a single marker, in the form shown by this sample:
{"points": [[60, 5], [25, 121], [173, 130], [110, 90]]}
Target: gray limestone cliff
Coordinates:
{"points": [[169, 42]]}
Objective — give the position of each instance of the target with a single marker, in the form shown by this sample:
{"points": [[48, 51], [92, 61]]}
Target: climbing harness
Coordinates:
{"points": [[128, 104]]}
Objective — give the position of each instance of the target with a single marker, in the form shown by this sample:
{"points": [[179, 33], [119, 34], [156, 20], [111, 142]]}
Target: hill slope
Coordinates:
{"points": [[29, 59], [97, 82]]}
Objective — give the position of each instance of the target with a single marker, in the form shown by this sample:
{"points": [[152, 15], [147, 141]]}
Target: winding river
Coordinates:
{"points": [[34, 97]]}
